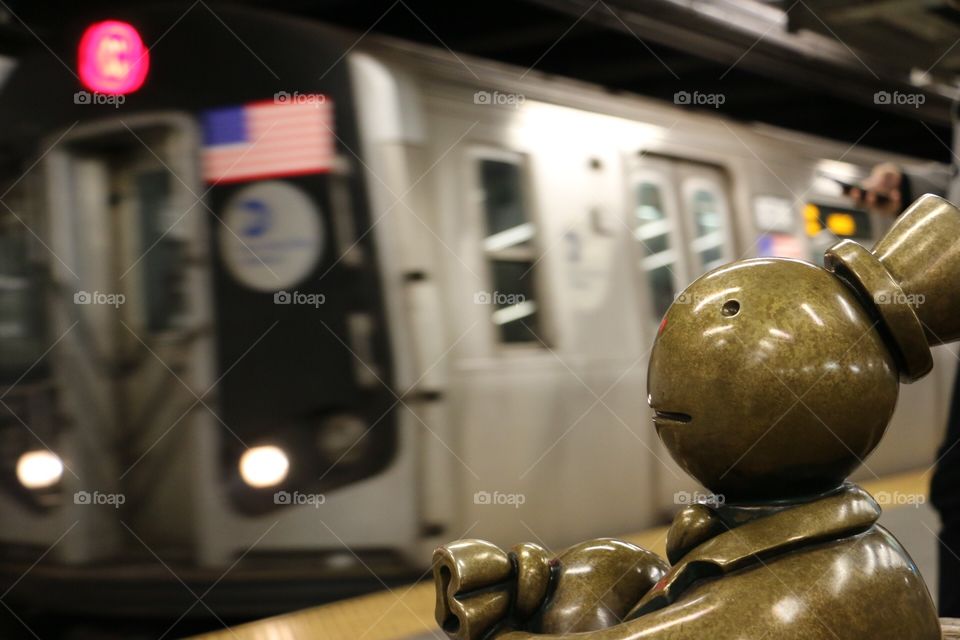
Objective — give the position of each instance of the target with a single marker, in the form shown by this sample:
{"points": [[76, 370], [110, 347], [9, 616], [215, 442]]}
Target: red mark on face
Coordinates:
{"points": [[663, 325]]}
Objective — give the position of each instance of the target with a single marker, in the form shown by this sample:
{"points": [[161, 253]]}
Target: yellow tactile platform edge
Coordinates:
{"points": [[408, 611]]}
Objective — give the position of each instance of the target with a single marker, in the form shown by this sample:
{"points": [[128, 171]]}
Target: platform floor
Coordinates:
{"points": [[407, 613]]}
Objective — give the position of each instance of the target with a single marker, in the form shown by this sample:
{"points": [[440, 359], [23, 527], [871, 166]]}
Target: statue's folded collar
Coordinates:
{"points": [[845, 512]]}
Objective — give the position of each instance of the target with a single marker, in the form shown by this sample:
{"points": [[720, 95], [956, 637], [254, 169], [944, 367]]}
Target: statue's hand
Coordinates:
{"points": [[597, 583], [589, 586], [478, 585]]}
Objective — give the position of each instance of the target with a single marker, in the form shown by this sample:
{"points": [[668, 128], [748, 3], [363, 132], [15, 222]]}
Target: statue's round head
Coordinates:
{"points": [[769, 379]]}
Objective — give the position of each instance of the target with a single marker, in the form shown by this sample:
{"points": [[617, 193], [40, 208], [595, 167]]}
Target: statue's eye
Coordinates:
{"points": [[730, 308]]}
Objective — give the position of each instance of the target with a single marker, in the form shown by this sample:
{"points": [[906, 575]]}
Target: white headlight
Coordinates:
{"points": [[39, 469], [264, 466]]}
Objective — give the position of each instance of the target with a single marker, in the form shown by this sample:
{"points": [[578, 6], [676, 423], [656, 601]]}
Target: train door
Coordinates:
{"points": [[132, 363], [541, 375], [681, 221], [32, 469]]}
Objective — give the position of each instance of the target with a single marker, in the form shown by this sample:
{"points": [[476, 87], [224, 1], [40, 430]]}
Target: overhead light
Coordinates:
{"points": [[264, 466], [39, 469]]}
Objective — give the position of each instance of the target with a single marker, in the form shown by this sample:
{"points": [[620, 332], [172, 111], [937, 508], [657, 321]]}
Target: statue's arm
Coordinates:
{"points": [[589, 586]]}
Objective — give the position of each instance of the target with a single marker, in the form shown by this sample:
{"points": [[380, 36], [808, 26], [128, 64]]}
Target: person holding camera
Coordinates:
{"points": [[887, 190]]}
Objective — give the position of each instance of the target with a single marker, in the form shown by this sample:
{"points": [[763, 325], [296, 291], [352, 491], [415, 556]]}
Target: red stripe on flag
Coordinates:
{"points": [[284, 139]]}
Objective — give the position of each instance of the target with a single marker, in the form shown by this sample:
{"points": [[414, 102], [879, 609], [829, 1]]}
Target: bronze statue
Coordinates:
{"points": [[770, 380]]}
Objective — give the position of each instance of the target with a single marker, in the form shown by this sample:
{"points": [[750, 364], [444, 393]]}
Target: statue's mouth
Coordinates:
{"points": [[671, 416]]}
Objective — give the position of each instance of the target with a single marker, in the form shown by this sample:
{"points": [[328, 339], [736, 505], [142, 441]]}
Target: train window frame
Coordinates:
{"points": [[691, 177], [661, 174], [531, 252], [19, 218]]}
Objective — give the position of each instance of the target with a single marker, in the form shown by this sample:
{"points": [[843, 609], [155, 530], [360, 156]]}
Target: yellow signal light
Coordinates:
{"points": [[842, 224], [811, 216]]}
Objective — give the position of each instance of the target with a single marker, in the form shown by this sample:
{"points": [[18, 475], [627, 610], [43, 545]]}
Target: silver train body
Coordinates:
{"points": [[529, 232]]}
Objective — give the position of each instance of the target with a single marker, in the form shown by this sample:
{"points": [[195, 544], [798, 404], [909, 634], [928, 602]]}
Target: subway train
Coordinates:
{"points": [[284, 303]]}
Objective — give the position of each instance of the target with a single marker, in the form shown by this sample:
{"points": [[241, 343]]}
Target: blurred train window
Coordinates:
{"points": [[652, 228], [162, 257], [706, 204], [509, 249], [503, 200], [21, 299]]}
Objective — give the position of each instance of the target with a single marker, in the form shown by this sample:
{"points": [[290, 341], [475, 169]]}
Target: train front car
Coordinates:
{"points": [[195, 361]]}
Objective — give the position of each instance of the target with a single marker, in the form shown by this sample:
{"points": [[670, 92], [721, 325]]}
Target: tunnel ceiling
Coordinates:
{"points": [[812, 65]]}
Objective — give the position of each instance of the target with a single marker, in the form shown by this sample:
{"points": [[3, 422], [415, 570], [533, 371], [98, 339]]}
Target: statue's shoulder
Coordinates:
{"points": [[715, 541]]}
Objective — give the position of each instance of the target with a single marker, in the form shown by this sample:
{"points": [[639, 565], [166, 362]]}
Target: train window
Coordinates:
{"points": [[21, 302], [705, 202], [503, 200], [651, 229], [509, 249], [162, 253]]}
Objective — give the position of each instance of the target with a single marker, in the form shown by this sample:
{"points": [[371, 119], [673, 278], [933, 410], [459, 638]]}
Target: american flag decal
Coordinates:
{"points": [[289, 135]]}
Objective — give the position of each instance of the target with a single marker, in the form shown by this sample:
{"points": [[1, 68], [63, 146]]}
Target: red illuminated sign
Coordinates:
{"points": [[112, 58]]}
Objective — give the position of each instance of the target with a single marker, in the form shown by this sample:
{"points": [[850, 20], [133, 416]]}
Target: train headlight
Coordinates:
{"points": [[39, 469], [264, 466], [340, 439]]}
